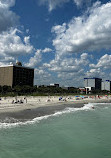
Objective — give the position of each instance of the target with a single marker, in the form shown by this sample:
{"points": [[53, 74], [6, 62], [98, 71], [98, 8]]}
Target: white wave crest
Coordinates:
{"points": [[97, 104]]}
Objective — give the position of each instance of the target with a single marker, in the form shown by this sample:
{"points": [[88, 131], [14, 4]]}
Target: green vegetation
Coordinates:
{"points": [[43, 91], [36, 91]]}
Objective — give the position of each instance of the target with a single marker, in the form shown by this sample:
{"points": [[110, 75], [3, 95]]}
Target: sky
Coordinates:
{"points": [[63, 40]]}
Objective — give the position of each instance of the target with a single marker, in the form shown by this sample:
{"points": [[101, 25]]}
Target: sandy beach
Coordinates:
{"points": [[25, 108]]}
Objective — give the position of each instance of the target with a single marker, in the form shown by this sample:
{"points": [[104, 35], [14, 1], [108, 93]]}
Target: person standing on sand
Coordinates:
{"points": [[25, 99]]}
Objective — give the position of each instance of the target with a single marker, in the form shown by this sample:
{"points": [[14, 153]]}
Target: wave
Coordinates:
{"points": [[97, 104], [11, 122]]}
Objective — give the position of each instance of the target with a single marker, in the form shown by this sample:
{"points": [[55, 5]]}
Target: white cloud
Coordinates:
{"points": [[12, 45], [42, 73], [59, 29], [95, 73], [46, 50], [102, 68], [86, 33], [7, 17], [68, 69], [104, 62], [42, 77], [7, 3], [37, 58], [6, 60], [27, 40], [70, 64]]}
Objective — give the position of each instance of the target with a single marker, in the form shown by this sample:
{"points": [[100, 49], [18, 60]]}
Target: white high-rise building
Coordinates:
{"points": [[106, 85]]}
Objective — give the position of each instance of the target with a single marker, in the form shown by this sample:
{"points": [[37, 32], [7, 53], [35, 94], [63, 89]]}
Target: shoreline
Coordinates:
{"points": [[32, 109]]}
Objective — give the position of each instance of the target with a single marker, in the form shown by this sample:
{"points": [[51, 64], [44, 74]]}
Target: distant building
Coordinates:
{"points": [[41, 86], [106, 85], [92, 83], [82, 90], [71, 88], [15, 74], [54, 85], [65, 87]]}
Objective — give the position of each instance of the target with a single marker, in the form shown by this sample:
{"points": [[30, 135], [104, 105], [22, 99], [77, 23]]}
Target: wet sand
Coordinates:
{"points": [[28, 114]]}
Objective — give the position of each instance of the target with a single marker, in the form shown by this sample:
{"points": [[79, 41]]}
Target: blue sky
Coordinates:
{"points": [[63, 40]]}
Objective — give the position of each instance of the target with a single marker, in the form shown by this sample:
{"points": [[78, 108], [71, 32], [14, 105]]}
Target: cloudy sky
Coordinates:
{"points": [[63, 40]]}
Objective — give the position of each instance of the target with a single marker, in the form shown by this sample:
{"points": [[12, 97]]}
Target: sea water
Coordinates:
{"points": [[71, 133]]}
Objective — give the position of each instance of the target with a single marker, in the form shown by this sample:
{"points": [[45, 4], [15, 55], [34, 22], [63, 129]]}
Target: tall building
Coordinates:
{"points": [[13, 75], [92, 83], [106, 85]]}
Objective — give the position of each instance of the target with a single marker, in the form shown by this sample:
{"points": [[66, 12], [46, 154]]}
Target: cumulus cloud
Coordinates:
{"points": [[95, 73], [27, 40], [68, 65], [6, 60], [42, 76], [41, 72], [47, 50], [12, 45], [37, 58], [7, 3], [8, 18], [102, 68], [68, 69], [104, 62], [86, 33]]}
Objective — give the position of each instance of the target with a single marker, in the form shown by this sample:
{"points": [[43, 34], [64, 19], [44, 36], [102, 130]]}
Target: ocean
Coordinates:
{"points": [[71, 133]]}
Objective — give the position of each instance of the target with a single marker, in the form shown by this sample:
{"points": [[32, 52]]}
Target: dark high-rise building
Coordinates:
{"points": [[13, 75]]}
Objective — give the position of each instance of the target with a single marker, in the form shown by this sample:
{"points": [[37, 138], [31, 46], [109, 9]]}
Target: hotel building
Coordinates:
{"points": [[15, 74]]}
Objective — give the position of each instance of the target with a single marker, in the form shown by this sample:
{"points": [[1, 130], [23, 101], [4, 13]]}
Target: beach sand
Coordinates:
{"points": [[32, 107]]}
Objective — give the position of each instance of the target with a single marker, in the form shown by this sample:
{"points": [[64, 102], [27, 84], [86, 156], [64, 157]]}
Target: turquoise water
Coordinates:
{"points": [[72, 133]]}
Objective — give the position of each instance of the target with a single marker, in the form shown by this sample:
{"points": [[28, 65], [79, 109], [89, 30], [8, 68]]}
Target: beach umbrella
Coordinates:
{"points": [[60, 98]]}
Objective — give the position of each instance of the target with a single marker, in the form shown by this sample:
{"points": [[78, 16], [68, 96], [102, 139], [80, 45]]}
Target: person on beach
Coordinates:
{"points": [[25, 99], [12, 101]]}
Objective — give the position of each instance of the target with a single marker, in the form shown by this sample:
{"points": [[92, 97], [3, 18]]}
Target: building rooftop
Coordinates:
{"points": [[16, 66], [106, 81], [92, 78]]}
